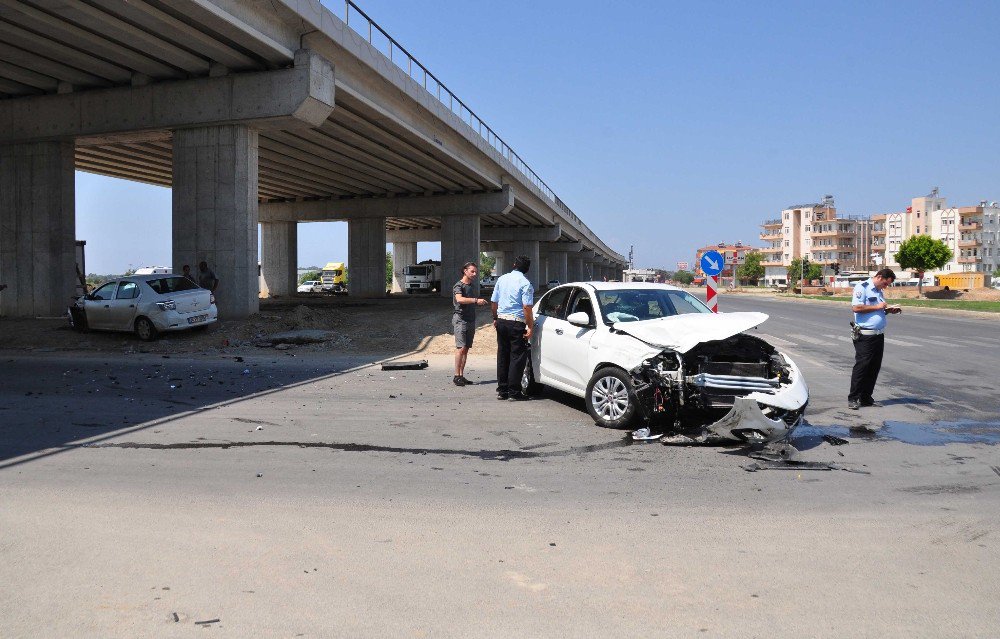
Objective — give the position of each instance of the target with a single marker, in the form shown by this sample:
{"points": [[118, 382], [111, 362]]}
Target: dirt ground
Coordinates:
{"points": [[390, 326]]}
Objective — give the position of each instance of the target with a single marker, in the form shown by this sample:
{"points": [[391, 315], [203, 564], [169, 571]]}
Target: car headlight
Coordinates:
{"points": [[169, 305]]}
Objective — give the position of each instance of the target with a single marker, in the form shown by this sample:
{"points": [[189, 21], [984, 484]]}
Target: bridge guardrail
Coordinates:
{"points": [[444, 95]]}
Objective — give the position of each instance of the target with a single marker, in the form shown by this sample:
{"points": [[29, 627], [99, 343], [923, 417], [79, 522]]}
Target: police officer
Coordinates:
{"points": [[868, 304]]}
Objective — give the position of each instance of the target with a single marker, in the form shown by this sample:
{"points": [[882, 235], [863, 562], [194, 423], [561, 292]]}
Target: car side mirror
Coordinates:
{"points": [[578, 318]]}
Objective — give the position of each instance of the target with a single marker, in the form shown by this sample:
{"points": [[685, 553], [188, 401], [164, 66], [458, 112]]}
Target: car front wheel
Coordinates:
{"points": [[529, 386], [610, 398], [144, 329]]}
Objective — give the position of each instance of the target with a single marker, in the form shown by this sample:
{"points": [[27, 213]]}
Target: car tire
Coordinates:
{"points": [[144, 329], [611, 399], [529, 386], [78, 320]]}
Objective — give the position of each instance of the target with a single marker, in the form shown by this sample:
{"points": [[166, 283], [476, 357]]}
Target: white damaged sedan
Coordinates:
{"points": [[656, 356], [145, 304]]}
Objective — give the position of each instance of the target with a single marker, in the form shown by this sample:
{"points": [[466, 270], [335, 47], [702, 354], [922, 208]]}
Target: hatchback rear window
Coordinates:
{"points": [[166, 285]]}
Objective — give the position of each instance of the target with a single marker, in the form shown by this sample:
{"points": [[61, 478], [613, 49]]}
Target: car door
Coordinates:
{"points": [[575, 350], [97, 306], [550, 326], [122, 310]]}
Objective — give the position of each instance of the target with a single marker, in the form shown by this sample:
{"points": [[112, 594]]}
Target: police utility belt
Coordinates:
{"points": [[510, 316], [857, 331]]}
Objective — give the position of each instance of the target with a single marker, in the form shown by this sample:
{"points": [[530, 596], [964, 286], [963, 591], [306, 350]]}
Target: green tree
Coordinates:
{"points": [[922, 253], [751, 269], [684, 277], [813, 271], [486, 264], [388, 270], [311, 275]]}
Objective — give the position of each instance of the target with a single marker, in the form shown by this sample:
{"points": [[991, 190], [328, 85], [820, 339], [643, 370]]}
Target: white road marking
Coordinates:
{"points": [[807, 339], [775, 340]]}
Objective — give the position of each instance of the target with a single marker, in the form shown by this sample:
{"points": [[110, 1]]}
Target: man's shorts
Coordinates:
{"points": [[465, 332]]}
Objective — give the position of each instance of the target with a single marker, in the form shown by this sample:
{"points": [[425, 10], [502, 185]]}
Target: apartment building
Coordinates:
{"points": [[817, 232], [971, 232]]}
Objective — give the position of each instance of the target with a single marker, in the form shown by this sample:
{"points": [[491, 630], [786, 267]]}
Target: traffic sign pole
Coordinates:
{"points": [[712, 292]]}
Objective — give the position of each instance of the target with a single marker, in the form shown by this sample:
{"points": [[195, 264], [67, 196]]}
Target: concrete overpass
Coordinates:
{"points": [[268, 113]]}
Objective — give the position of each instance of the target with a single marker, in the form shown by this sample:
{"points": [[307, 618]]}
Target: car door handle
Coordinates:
{"points": [[131, 305], [107, 306], [559, 331]]}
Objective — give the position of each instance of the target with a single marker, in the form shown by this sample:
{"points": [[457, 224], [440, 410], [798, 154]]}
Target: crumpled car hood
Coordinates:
{"points": [[681, 333]]}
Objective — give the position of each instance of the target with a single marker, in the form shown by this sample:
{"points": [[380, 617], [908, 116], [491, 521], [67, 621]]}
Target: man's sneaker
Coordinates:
{"points": [[869, 402], [503, 397], [468, 382], [517, 397], [854, 404], [459, 380]]}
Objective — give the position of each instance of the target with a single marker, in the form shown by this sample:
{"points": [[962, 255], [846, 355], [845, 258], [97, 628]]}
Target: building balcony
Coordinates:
{"points": [[969, 259], [970, 226], [772, 224], [881, 232], [771, 263], [970, 243], [770, 236]]}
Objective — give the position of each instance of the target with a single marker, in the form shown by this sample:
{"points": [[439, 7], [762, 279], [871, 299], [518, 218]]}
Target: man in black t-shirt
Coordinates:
{"points": [[463, 320]]}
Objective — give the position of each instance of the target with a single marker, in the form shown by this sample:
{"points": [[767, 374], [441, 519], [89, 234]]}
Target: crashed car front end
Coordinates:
{"points": [[734, 390]]}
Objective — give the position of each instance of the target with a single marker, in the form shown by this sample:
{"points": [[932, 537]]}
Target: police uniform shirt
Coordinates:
{"points": [[865, 294]]}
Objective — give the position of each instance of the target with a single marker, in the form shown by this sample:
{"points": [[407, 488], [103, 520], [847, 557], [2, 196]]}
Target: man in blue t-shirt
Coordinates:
{"points": [[512, 299], [868, 304]]}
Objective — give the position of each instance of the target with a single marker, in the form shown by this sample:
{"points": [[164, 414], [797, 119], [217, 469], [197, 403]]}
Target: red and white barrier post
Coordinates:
{"points": [[712, 292]]}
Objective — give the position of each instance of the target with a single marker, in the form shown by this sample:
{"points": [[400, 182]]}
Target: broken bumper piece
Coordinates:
{"points": [[746, 422]]}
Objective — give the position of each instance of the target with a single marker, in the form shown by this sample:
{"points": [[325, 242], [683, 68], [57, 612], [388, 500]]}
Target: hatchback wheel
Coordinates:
{"points": [[610, 398], [145, 330]]}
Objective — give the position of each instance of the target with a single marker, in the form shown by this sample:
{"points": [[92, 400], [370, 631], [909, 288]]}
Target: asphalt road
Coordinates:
{"points": [[317, 497]]}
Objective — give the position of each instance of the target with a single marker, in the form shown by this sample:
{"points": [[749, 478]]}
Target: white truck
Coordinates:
{"points": [[423, 277]]}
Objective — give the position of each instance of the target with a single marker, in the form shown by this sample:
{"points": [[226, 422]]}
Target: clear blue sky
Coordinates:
{"points": [[692, 122]]}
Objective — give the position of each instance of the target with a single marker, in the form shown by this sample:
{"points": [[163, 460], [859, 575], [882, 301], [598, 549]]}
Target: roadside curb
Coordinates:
{"points": [[906, 309]]}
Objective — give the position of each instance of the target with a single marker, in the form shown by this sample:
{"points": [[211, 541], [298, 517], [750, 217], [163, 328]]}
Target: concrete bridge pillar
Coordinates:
{"points": [[279, 257], [215, 211], [508, 263], [575, 269], [403, 254], [559, 266], [366, 257], [530, 249], [37, 228], [459, 244]]}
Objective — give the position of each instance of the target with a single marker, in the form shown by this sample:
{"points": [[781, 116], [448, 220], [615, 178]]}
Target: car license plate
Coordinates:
{"points": [[197, 319]]}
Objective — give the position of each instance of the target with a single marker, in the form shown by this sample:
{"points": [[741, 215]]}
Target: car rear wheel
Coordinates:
{"points": [[144, 329], [610, 398]]}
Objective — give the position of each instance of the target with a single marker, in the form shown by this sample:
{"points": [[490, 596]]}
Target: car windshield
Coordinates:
{"points": [[632, 305], [166, 285]]}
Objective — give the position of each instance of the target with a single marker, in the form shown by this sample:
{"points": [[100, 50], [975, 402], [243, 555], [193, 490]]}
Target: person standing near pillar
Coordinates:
{"points": [[512, 299], [206, 277], [186, 273], [463, 321]]}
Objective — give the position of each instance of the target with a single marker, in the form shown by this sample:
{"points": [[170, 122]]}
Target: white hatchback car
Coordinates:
{"points": [[655, 353], [310, 286], [146, 304]]}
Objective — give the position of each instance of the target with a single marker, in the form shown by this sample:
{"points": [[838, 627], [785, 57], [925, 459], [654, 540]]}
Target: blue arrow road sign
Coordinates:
{"points": [[712, 263]]}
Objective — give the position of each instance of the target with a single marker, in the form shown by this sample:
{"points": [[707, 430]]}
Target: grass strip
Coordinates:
{"points": [[962, 305]]}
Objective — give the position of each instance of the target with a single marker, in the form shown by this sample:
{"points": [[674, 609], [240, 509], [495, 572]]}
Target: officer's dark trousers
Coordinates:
{"points": [[512, 354], [868, 351]]}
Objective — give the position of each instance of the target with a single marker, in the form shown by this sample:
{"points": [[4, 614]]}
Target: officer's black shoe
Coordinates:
{"points": [[503, 397], [517, 397], [854, 404], [869, 402]]}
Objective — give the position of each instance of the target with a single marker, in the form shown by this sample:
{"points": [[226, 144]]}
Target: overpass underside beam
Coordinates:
{"points": [[215, 211], [37, 228]]}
